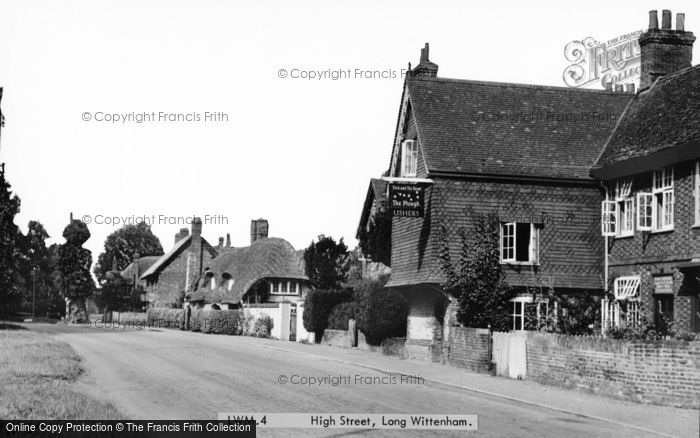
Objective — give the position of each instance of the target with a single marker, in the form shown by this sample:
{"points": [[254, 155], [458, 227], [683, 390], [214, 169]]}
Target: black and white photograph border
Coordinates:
{"points": [[346, 218]]}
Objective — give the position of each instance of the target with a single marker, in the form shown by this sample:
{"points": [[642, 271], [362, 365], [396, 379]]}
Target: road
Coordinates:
{"points": [[167, 374]]}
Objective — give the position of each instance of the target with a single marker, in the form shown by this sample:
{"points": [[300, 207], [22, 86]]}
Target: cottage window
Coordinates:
{"points": [[518, 315], [696, 191], [645, 211], [663, 200], [519, 242], [284, 287], [609, 218], [624, 208], [274, 287], [409, 158]]}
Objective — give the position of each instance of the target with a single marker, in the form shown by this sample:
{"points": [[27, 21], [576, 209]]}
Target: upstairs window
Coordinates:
{"points": [[284, 287], [625, 208], [655, 209], [409, 158], [519, 242], [696, 192], [609, 218]]}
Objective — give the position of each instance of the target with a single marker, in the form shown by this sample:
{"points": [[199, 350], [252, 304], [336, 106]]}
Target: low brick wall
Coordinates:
{"points": [[336, 338], [468, 348], [658, 372]]}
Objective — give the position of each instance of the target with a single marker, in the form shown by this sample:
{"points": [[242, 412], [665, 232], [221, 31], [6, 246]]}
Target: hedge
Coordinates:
{"points": [[318, 305], [218, 322], [380, 313], [263, 327], [341, 315], [166, 318]]}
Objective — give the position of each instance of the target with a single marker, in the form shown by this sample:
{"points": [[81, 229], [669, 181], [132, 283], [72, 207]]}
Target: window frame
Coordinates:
{"points": [[291, 287], [404, 170], [625, 212], [533, 245], [663, 200], [608, 218], [645, 200]]}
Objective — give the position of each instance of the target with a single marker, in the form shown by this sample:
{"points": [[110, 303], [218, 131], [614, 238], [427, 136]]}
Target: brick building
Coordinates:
{"points": [[542, 159], [521, 152], [650, 169], [174, 273]]}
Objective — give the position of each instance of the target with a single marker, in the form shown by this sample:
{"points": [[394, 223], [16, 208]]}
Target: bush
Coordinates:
{"points": [[381, 313], [166, 318], [341, 314], [263, 327], [318, 305], [220, 322]]}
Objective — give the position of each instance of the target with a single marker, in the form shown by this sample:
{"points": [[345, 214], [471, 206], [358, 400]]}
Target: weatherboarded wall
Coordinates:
{"points": [[659, 372]]}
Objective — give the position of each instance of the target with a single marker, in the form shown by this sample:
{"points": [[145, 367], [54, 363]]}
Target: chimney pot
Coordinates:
{"points": [[653, 19], [221, 242], [680, 21], [666, 19]]}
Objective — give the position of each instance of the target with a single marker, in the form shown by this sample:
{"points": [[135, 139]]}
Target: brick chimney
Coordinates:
{"points": [[664, 51], [228, 240], [425, 69], [194, 256], [221, 243], [184, 232], [258, 229]]}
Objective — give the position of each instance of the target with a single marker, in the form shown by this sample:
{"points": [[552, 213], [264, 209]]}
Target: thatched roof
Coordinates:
{"points": [[265, 258]]}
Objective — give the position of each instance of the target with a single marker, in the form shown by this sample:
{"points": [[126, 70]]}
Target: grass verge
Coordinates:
{"points": [[36, 377]]}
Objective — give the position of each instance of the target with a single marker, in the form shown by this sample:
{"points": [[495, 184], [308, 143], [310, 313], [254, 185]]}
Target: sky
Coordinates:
{"points": [[278, 144]]}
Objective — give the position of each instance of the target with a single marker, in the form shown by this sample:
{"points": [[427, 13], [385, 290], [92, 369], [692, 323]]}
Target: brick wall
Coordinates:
{"points": [[336, 338], [468, 348], [658, 372]]}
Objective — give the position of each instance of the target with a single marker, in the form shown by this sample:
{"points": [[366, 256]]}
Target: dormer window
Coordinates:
{"points": [[229, 281], [212, 280], [409, 158]]}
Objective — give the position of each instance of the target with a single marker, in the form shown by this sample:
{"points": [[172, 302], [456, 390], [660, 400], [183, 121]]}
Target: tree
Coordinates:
{"points": [[74, 279], [380, 312], [375, 240], [477, 281], [121, 245], [9, 233], [35, 270], [326, 263]]}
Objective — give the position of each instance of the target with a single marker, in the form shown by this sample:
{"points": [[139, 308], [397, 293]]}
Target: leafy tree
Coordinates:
{"points": [[375, 240], [35, 269], [326, 263], [121, 245], [74, 261], [9, 233], [477, 281]]}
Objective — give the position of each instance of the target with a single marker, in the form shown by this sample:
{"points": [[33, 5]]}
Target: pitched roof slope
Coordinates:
{"points": [[493, 128], [665, 116], [143, 262], [265, 258]]}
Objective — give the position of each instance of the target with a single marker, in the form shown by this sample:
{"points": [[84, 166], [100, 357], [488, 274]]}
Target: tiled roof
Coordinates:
{"points": [[665, 116], [265, 258], [143, 264], [490, 128], [165, 259]]}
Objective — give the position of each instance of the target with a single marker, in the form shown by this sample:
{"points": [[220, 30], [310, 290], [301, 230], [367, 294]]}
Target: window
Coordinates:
{"points": [[409, 158], [519, 242], [645, 211], [627, 288], [696, 192], [624, 208], [284, 287], [663, 200], [518, 315], [609, 218]]}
